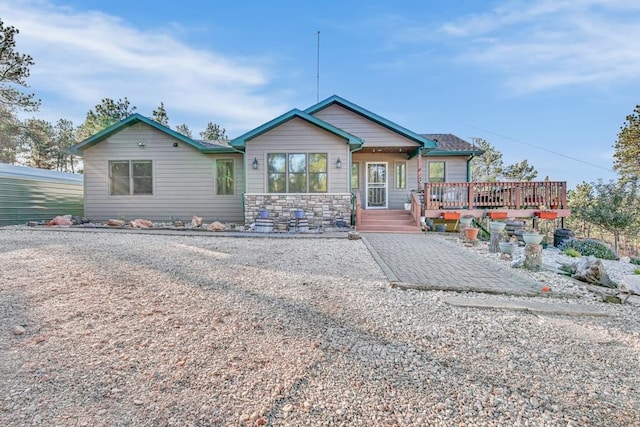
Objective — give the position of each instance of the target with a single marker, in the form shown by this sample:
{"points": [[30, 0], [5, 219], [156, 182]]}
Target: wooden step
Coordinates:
{"points": [[387, 221]]}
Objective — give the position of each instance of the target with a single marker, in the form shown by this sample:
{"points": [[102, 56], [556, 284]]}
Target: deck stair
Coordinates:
{"points": [[387, 221]]}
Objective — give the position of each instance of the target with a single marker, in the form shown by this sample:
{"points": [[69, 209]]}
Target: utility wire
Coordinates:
{"points": [[543, 149]]}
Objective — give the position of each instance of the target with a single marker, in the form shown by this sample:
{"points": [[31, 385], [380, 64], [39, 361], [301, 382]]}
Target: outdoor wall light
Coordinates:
{"points": [[255, 163], [141, 144], [338, 163]]}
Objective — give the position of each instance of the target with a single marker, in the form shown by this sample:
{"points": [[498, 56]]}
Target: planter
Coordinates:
{"points": [[407, 207], [263, 214], [497, 226], [441, 228], [532, 238], [299, 213], [497, 215], [507, 247], [429, 223], [451, 215], [546, 214], [471, 233], [466, 221]]}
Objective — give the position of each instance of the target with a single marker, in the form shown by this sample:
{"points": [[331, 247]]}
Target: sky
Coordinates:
{"points": [[549, 81]]}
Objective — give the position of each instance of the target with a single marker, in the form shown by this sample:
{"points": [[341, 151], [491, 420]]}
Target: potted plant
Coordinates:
{"points": [[507, 247], [532, 237], [466, 220], [407, 204], [471, 233]]}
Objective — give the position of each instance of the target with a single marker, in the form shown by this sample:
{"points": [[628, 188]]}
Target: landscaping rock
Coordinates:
{"points": [[196, 221], [115, 223], [591, 270], [61, 220], [216, 226], [141, 223]]}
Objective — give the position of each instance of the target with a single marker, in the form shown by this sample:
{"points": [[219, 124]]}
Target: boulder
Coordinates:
{"points": [[115, 223], [216, 226], [141, 223], [630, 284], [61, 220], [591, 270], [196, 221]]}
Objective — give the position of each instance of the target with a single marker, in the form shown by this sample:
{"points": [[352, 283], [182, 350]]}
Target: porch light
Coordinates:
{"points": [[255, 163], [338, 163]]}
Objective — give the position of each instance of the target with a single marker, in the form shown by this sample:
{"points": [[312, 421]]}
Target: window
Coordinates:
{"points": [[224, 177], [355, 175], [401, 174], [436, 172], [297, 173], [130, 177]]}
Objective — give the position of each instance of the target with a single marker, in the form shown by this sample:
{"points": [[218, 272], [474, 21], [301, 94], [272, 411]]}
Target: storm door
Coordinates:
{"points": [[376, 185]]}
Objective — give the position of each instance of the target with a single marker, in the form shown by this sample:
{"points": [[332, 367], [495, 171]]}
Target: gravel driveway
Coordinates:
{"points": [[143, 330]]}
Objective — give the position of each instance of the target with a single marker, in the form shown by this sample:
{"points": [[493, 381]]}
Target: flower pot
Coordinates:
{"points": [[497, 215], [466, 221], [441, 228], [507, 247], [471, 233], [546, 214], [407, 206], [451, 215], [299, 213], [497, 226], [263, 214], [532, 238]]}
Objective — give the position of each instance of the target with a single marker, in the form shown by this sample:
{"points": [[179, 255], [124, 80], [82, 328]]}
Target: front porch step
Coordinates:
{"points": [[387, 221]]}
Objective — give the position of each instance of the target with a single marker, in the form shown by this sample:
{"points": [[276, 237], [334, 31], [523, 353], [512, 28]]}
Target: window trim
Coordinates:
{"points": [[288, 174], [444, 170], [131, 182], [233, 176], [404, 177]]}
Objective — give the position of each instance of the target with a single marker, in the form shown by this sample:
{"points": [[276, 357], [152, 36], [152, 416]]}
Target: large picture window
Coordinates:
{"points": [[130, 177], [224, 177], [436, 172], [297, 173]]}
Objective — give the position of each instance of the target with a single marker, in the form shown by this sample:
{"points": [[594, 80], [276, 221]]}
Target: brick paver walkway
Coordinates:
{"points": [[433, 263]]}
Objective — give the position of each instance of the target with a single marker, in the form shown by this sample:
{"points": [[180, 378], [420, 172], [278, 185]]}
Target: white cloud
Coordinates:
{"points": [[82, 57], [545, 44]]}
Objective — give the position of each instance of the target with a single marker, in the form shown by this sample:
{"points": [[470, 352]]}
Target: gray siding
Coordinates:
{"points": [[183, 180], [374, 134], [455, 168], [28, 194], [396, 197], [298, 136]]}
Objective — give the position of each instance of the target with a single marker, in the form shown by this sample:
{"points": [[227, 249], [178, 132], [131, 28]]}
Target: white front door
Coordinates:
{"points": [[376, 185]]}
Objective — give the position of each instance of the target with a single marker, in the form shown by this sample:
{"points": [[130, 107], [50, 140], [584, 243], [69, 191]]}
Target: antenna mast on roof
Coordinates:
{"points": [[318, 71]]}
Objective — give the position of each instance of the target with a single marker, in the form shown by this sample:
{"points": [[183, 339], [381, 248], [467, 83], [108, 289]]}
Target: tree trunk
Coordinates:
{"points": [[533, 257], [494, 241]]}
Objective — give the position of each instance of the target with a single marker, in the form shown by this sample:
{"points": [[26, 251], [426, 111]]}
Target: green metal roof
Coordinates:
{"points": [[241, 141], [138, 118], [426, 143]]}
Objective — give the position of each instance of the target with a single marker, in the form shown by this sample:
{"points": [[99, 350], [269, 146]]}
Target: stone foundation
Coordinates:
{"points": [[321, 209]]}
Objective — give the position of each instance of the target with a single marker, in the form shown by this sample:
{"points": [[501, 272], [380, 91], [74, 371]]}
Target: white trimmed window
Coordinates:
{"points": [[130, 177], [297, 172]]}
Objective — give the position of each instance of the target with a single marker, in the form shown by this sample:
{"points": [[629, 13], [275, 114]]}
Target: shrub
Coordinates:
{"points": [[636, 271], [635, 260], [589, 247], [572, 253]]}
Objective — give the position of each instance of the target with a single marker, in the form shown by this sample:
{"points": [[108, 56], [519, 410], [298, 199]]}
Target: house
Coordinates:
{"points": [[334, 160]]}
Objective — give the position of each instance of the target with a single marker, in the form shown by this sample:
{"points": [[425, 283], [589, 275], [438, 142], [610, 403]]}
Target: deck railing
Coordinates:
{"points": [[495, 195]]}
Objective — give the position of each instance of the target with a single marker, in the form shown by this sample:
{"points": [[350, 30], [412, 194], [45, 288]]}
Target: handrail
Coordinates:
{"points": [[358, 208], [416, 208], [491, 195]]}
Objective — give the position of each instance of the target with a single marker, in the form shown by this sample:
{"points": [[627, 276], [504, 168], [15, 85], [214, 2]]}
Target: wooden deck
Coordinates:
{"points": [[517, 199]]}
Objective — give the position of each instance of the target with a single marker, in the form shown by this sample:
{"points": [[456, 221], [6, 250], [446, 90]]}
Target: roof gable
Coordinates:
{"points": [[241, 141], [205, 147], [335, 99]]}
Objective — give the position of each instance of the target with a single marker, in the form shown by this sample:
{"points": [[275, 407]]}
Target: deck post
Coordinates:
{"points": [[470, 195]]}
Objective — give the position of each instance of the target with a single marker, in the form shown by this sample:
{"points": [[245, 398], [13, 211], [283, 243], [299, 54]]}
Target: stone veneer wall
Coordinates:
{"points": [[319, 208]]}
